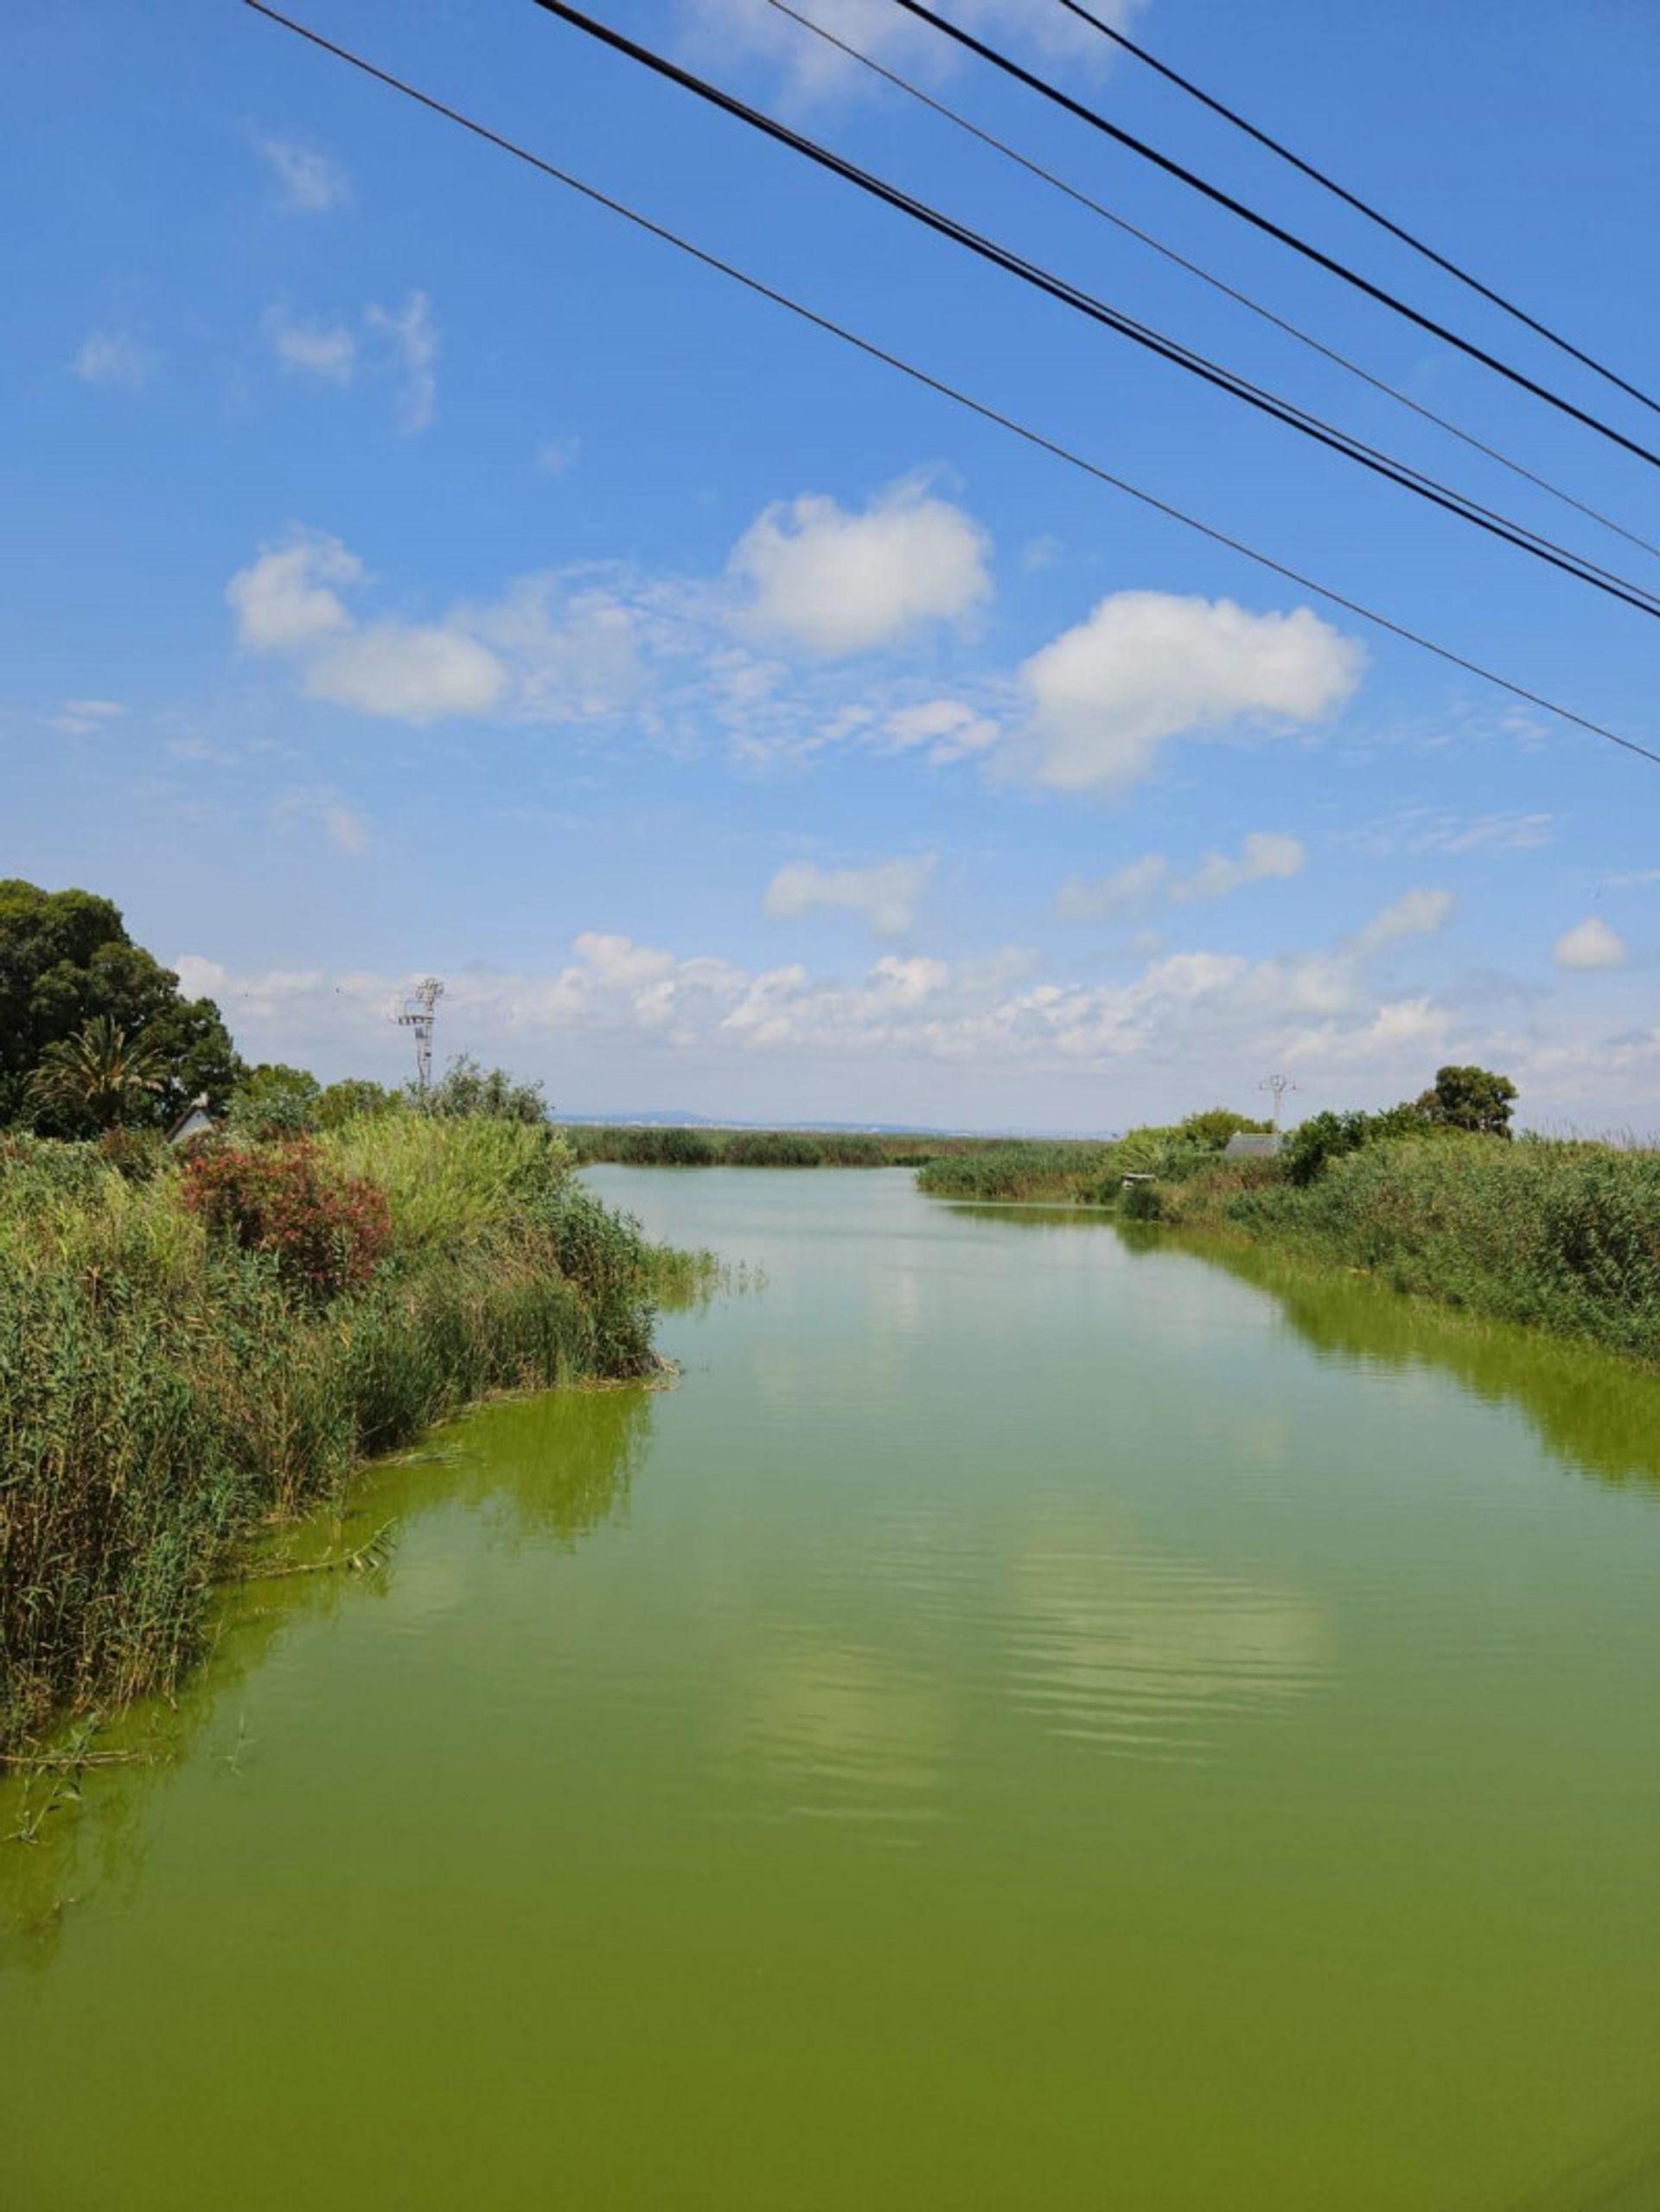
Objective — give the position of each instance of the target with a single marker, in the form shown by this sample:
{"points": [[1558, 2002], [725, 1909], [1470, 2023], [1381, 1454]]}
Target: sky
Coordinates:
{"points": [[412, 568]]}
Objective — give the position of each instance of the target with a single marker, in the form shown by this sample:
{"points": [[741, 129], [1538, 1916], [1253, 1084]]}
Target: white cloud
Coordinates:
{"points": [[1130, 885], [117, 359], [284, 602], [308, 182], [1147, 667], [835, 583], [1431, 829], [343, 826], [887, 894], [80, 717], [1265, 855], [409, 673], [949, 730], [813, 70], [1591, 943], [328, 351], [1416, 913], [412, 337]]}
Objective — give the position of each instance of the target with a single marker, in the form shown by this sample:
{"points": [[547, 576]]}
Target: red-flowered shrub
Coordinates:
{"points": [[327, 1232]]}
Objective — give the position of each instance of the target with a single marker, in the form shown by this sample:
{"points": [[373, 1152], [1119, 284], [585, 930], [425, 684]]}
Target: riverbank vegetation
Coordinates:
{"points": [[189, 1352], [654, 1145], [1433, 1197]]}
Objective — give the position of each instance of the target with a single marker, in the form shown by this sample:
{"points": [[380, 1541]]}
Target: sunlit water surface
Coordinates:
{"points": [[1028, 1722]]}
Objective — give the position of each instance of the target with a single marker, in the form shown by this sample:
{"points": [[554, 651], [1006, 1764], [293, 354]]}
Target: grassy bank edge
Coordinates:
{"points": [[166, 1399]]}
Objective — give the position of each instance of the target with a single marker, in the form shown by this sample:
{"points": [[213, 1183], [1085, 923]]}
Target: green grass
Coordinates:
{"points": [[162, 1395], [1559, 1236]]}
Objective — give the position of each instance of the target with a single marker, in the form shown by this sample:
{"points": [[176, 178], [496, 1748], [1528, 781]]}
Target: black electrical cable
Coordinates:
{"points": [[1172, 168], [1353, 200], [958, 397], [1156, 341], [1208, 276]]}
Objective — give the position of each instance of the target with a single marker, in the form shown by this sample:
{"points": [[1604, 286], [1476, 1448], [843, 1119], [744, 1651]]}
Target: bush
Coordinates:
{"points": [[465, 1088], [326, 1231], [1211, 1130]]}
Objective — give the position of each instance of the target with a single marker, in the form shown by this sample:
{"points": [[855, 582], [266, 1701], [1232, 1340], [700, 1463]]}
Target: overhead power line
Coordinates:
{"points": [[1208, 276], [981, 408], [1109, 317], [1353, 200], [1265, 223]]}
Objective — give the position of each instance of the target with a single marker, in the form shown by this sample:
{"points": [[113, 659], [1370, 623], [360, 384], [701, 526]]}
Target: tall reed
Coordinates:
{"points": [[163, 1393]]}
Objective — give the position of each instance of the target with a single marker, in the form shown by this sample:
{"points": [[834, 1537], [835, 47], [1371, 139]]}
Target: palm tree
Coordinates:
{"points": [[96, 1075]]}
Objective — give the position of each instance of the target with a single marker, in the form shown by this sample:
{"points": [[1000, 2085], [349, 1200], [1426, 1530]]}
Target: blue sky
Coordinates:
{"points": [[410, 568]]}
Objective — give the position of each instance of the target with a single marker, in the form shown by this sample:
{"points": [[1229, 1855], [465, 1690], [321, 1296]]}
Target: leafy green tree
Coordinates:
{"points": [[273, 1101], [350, 1099], [100, 1075], [66, 959], [1215, 1124], [466, 1088], [1470, 1099]]}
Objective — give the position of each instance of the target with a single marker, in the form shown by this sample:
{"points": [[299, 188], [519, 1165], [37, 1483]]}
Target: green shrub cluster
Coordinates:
{"points": [[1561, 1235], [167, 1386]]}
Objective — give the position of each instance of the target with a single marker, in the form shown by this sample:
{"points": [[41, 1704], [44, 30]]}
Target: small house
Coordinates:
{"points": [[195, 1123]]}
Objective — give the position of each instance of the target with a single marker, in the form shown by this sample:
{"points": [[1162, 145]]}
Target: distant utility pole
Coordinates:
{"points": [[1279, 1084], [419, 1011]]}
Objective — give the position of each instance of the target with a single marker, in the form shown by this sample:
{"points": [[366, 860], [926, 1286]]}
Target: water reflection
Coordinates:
{"points": [[1140, 1653], [1600, 1413], [1597, 1412], [552, 1468]]}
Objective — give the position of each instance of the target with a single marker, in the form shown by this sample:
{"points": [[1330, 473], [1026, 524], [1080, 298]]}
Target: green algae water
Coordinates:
{"points": [[1034, 1718]]}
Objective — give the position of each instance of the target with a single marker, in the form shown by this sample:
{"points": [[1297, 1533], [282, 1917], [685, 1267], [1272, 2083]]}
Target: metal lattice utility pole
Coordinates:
{"points": [[419, 1011], [1279, 1084]]}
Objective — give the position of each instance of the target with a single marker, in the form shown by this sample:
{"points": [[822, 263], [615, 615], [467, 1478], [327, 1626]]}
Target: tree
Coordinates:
{"points": [[466, 1088], [66, 959], [100, 1075], [1215, 1124], [273, 1100], [351, 1099], [1470, 1099]]}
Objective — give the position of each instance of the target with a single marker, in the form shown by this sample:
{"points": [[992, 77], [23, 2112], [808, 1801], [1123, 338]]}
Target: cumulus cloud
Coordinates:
{"points": [[944, 728], [1591, 944], [835, 583], [411, 337], [885, 894], [308, 182], [1132, 884], [1147, 667], [328, 351], [117, 359], [1416, 913], [409, 673], [286, 602], [1265, 855], [1309, 1010]]}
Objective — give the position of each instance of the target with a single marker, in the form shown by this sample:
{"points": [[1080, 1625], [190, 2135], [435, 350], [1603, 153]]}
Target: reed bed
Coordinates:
{"points": [[1555, 1234], [670, 1146], [165, 1392]]}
